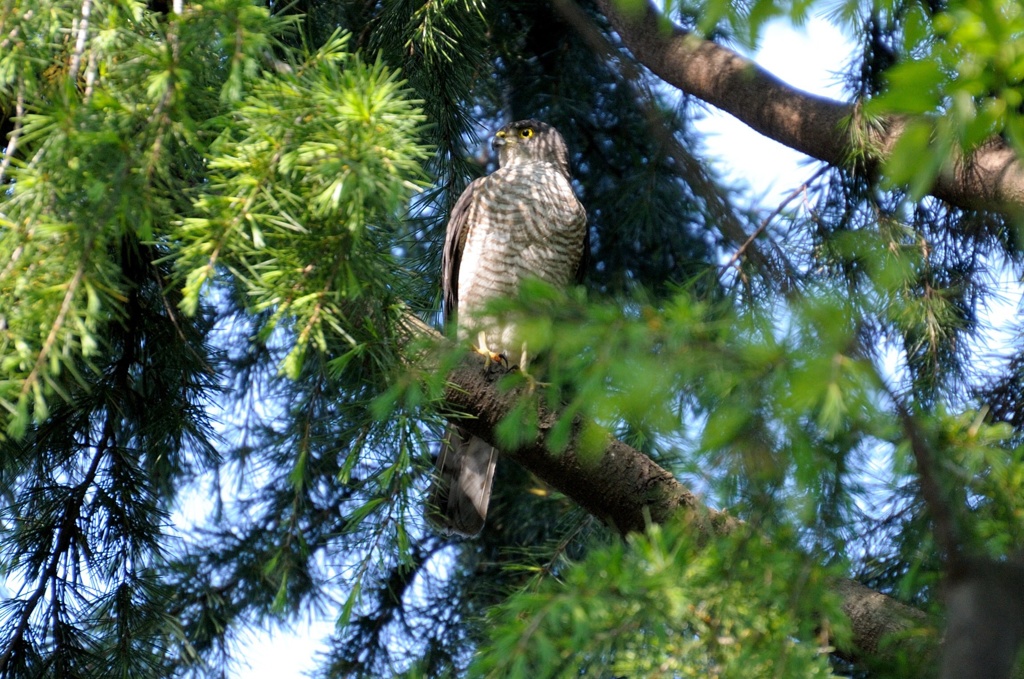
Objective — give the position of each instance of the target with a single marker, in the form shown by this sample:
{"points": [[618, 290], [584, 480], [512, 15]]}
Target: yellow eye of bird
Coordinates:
{"points": [[526, 132]]}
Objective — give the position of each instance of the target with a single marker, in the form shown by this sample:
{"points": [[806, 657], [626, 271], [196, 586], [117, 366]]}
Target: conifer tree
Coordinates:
{"points": [[767, 441]]}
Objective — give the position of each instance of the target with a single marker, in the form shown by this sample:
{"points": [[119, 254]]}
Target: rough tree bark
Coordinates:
{"points": [[626, 489], [990, 178]]}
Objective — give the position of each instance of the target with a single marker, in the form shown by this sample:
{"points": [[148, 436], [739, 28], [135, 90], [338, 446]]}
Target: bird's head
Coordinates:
{"points": [[526, 141]]}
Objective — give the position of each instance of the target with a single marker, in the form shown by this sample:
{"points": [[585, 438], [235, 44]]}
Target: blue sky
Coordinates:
{"points": [[808, 58]]}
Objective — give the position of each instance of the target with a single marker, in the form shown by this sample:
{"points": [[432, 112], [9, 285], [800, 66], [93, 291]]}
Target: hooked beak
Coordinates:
{"points": [[499, 141]]}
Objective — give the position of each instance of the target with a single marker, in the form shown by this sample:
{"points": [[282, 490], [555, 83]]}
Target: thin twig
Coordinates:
{"points": [[58, 322], [767, 220], [83, 35], [63, 543], [19, 115]]}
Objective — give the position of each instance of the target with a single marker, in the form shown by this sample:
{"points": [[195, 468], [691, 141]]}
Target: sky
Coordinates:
{"points": [[810, 59], [807, 58]]}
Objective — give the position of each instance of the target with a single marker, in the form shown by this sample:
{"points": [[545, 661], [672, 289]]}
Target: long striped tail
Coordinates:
{"points": [[461, 487]]}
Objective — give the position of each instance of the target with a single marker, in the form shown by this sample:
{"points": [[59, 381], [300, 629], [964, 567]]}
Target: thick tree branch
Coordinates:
{"points": [[626, 489], [991, 178], [622, 487]]}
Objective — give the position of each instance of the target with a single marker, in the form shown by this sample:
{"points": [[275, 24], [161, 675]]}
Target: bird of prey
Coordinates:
{"points": [[522, 221]]}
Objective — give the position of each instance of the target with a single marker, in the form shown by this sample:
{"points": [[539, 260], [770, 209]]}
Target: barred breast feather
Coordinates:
{"points": [[526, 222]]}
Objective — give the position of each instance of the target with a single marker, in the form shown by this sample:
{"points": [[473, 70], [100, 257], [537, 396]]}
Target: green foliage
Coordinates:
{"points": [[113, 163], [227, 214], [309, 161], [145, 143], [773, 409], [981, 472], [966, 72], [663, 606], [743, 21]]}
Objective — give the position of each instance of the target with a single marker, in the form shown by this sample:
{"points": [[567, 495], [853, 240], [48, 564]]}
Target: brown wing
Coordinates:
{"points": [[584, 264], [454, 243]]}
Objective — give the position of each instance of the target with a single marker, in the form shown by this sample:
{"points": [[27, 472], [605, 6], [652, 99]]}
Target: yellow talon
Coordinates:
{"points": [[489, 356], [531, 382]]}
